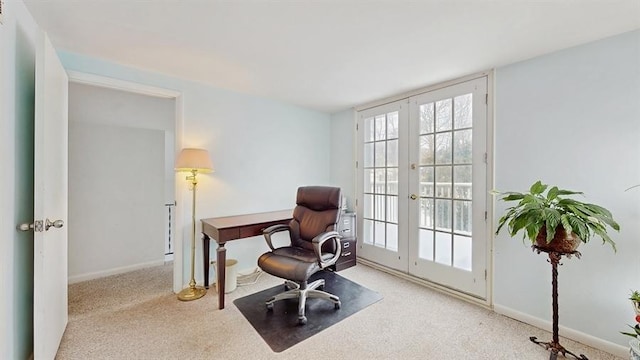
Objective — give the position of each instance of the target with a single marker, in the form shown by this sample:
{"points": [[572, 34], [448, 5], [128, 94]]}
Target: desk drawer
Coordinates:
{"points": [[256, 229], [253, 230]]}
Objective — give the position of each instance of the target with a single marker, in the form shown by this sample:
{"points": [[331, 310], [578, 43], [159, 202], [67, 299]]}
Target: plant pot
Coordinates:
{"points": [[634, 350], [561, 242]]}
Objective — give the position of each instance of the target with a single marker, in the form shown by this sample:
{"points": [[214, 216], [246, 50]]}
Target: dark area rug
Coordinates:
{"points": [[279, 328]]}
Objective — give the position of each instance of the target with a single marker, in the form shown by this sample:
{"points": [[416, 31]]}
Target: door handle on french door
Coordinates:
{"points": [[413, 196]]}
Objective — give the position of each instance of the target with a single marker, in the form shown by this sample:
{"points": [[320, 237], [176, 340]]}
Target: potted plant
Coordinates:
{"points": [[634, 345], [570, 221]]}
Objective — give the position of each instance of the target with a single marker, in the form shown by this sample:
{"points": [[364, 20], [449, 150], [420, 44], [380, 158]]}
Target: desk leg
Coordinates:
{"points": [[205, 258], [220, 273]]}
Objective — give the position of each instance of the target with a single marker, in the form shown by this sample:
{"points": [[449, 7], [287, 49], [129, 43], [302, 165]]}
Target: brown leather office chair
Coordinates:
{"points": [[315, 245]]}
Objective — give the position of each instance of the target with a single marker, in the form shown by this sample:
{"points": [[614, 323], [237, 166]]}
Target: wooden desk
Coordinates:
{"points": [[223, 229]]}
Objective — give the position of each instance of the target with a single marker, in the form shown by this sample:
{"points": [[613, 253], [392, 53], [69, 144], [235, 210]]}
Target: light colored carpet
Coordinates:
{"points": [[136, 316]]}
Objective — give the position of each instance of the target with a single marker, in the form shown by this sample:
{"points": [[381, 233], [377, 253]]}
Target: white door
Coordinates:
{"points": [[448, 186], [50, 202], [422, 185]]}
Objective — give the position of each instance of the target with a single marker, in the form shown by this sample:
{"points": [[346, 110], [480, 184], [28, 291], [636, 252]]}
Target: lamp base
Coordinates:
{"points": [[191, 293]]}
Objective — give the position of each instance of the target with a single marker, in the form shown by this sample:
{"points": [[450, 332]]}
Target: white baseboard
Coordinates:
{"points": [[566, 332], [100, 274], [426, 283]]}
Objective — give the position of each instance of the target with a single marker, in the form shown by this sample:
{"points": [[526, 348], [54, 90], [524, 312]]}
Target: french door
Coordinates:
{"points": [[422, 177]]}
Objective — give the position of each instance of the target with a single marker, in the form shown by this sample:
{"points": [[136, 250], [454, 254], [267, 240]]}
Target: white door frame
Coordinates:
{"points": [[129, 86], [490, 74]]}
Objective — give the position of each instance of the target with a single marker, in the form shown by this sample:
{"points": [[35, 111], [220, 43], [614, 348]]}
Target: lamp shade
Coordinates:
{"points": [[191, 159]]}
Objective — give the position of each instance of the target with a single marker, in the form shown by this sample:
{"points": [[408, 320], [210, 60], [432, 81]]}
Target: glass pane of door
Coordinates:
{"points": [[445, 166], [380, 180], [382, 184]]}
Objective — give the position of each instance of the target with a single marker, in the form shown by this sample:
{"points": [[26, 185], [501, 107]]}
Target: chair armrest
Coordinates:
{"points": [[317, 247], [272, 230]]}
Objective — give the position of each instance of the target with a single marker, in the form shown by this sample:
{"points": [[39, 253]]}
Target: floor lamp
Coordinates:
{"points": [[194, 161]]}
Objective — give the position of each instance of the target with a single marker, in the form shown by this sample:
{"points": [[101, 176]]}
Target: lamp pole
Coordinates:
{"points": [[192, 292]]}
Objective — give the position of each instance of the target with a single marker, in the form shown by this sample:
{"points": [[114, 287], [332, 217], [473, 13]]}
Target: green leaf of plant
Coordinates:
{"points": [[630, 334], [603, 214], [512, 197], [518, 224], [564, 219], [579, 228], [528, 199], [569, 192], [537, 188], [635, 329], [532, 231], [552, 219], [599, 209], [605, 237], [578, 211], [552, 194]]}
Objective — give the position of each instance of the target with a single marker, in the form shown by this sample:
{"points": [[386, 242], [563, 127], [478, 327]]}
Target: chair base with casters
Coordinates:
{"points": [[302, 292]]}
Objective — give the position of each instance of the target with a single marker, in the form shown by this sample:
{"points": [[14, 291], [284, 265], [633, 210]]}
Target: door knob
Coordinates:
{"points": [[56, 224], [413, 196], [38, 225], [25, 227]]}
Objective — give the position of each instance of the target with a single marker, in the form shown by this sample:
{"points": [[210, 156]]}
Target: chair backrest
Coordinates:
{"points": [[317, 210]]}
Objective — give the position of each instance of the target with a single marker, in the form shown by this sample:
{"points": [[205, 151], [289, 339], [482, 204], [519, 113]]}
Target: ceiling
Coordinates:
{"points": [[326, 55]]}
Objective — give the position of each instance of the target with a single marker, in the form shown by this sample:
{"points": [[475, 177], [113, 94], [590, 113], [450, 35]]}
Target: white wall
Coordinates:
{"points": [[262, 150], [343, 154], [116, 148], [100, 105], [572, 119], [116, 203], [17, 75]]}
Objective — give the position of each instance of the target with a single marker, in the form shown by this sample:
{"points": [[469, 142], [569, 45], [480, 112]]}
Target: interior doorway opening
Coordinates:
{"points": [[134, 132]]}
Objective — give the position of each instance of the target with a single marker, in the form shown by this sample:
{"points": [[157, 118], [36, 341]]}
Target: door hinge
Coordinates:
{"points": [[486, 157], [356, 164], [357, 127], [485, 216], [485, 274], [486, 99]]}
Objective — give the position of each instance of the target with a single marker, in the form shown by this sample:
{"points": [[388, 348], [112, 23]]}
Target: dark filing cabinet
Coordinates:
{"points": [[347, 229]]}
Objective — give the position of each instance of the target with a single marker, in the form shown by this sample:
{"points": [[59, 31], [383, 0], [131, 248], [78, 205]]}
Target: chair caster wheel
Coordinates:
{"points": [[302, 320], [337, 305], [270, 307]]}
